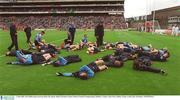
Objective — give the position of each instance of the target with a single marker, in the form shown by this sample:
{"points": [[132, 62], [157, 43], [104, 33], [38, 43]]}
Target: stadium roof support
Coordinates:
{"points": [[145, 7], [30, 1], [64, 12], [75, 5]]}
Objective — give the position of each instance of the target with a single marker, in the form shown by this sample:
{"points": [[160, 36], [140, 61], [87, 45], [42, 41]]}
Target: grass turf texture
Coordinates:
{"points": [[38, 80]]}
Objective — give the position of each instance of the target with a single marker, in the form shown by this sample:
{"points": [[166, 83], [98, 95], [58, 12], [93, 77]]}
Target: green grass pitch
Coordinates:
{"points": [[38, 80]]}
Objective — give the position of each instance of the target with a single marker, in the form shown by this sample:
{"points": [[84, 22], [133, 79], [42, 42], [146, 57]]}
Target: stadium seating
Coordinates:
{"points": [[57, 14]]}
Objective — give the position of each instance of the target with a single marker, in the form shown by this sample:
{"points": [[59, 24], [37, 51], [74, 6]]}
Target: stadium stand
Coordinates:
{"points": [[58, 13]]}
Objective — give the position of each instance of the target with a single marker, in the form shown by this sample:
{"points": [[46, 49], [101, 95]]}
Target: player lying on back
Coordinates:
{"points": [[13, 52], [92, 48], [86, 71], [62, 61], [127, 47], [34, 58], [89, 70]]}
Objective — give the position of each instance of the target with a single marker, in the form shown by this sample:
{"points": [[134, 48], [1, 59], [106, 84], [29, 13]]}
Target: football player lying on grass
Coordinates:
{"points": [[34, 58], [92, 48], [112, 61], [157, 55], [125, 55], [109, 46], [86, 71], [148, 49], [75, 47], [13, 52], [66, 44], [127, 47], [61, 61], [49, 48], [144, 64]]}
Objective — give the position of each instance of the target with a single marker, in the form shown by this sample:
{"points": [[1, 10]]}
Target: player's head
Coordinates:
{"points": [[42, 32], [85, 35], [83, 75], [118, 63], [166, 54]]}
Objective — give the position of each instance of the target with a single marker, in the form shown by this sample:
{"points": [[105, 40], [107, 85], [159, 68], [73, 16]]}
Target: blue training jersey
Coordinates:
{"points": [[38, 37], [84, 40], [90, 72], [62, 61]]}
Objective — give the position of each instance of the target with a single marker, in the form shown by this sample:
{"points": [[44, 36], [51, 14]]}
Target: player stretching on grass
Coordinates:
{"points": [[144, 64], [61, 61], [86, 71], [29, 59], [38, 39]]}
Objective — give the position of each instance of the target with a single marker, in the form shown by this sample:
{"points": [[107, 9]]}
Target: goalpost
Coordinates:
{"points": [[152, 25]]}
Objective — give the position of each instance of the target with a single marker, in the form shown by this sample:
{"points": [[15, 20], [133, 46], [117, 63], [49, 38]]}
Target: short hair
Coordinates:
{"points": [[43, 32], [83, 76], [85, 35], [118, 63]]}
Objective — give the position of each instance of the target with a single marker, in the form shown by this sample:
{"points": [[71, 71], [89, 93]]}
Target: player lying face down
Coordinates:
{"points": [[144, 64], [61, 61], [125, 55], [86, 71], [113, 61], [32, 58]]}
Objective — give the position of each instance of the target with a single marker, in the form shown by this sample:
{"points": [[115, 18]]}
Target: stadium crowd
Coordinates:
{"points": [[61, 22]]}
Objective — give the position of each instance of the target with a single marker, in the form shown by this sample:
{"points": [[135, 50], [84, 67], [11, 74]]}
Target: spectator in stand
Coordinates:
{"points": [[81, 22]]}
